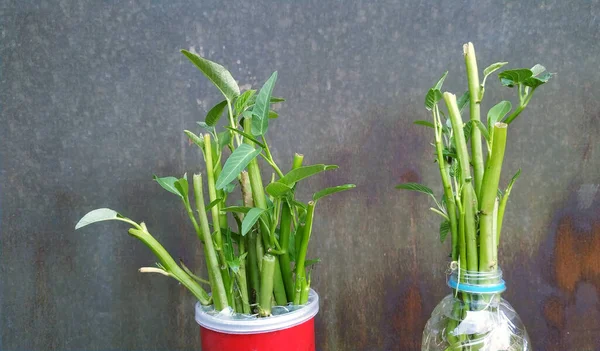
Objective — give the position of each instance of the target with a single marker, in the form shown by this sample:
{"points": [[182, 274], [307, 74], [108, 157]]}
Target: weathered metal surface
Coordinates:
{"points": [[94, 97]]}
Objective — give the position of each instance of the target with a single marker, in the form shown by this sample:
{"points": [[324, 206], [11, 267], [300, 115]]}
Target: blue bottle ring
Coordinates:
{"points": [[477, 288]]}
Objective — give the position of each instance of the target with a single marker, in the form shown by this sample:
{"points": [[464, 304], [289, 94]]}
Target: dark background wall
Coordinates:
{"points": [[94, 96]]}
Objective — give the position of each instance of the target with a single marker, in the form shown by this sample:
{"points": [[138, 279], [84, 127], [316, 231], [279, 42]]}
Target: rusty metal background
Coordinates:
{"points": [[94, 97]]}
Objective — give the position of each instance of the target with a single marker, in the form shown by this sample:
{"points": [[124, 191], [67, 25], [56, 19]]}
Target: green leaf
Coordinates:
{"points": [[278, 189], [216, 73], [296, 175], [206, 127], [246, 135], [467, 129], [182, 186], [512, 181], [498, 112], [224, 139], [440, 82], [98, 215], [235, 164], [168, 183], [537, 69], [195, 139], [463, 101], [540, 76], [250, 219], [215, 113], [512, 77], [238, 209], [309, 263], [491, 69], [260, 112], [482, 128], [328, 191], [415, 187], [432, 98], [273, 114], [213, 203], [229, 188], [444, 230], [275, 99], [424, 123], [243, 100]]}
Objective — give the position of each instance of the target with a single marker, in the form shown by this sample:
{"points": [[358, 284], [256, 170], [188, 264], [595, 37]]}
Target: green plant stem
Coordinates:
{"points": [[305, 290], [522, 104], [253, 269], [284, 259], [260, 201], [250, 240], [241, 278], [266, 286], [445, 175], [489, 191], [474, 108], [278, 284], [297, 162], [301, 254], [216, 280], [169, 264], [232, 123], [468, 197], [217, 237]]}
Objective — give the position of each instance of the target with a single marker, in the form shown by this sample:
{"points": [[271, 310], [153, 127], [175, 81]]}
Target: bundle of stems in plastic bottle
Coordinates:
{"points": [[469, 157]]}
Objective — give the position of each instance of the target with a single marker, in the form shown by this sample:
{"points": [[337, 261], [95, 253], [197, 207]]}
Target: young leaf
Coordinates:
{"points": [[463, 101], [235, 164], [98, 215], [440, 82], [224, 139], [250, 219], [415, 187], [540, 76], [278, 189], [245, 135], [275, 99], [260, 112], [482, 128], [444, 230], [497, 113], [238, 209], [328, 191], [424, 123], [273, 114], [243, 100], [512, 181], [182, 186], [296, 175], [309, 263], [432, 98], [215, 113], [491, 69], [168, 183], [512, 77], [216, 73], [195, 139], [206, 127], [213, 203]]}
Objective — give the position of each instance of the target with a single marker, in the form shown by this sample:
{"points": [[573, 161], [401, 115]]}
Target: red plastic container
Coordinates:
{"points": [[292, 331]]}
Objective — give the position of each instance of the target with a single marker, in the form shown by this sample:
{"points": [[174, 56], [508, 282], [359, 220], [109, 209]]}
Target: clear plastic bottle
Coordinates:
{"points": [[475, 317]]}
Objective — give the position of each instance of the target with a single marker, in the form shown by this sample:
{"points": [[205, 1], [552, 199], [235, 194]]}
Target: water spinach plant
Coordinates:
{"points": [[255, 250], [472, 206]]}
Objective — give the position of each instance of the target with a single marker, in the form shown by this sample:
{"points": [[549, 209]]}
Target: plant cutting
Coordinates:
{"points": [[469, 157], [256, 248]]}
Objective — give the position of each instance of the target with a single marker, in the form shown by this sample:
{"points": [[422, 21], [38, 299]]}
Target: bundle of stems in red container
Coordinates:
{"points": [[260, 260]]}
